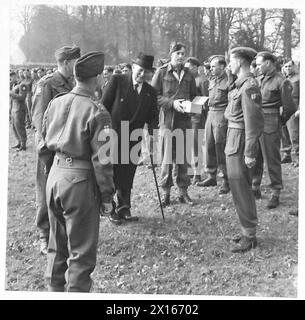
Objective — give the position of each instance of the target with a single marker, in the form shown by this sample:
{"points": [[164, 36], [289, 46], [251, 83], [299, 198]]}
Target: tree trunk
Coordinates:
{"points": [[262, 29], [288, 20], [212, 27]]}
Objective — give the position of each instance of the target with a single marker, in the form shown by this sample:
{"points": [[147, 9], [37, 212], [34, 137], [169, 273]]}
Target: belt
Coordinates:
{"points": [[236, 125], [271, 110], [63, 161], [217, 108]]}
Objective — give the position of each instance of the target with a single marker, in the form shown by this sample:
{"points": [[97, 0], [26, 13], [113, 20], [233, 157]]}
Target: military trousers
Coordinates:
{"points": [[18, 124], [198, 124], [42, 219], [269, 152], [239, 176], [215, 142], [73, 207], [175, 153], [290, 135]]}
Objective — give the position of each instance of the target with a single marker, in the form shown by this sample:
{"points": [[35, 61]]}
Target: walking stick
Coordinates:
{"points": [[155, 177]]}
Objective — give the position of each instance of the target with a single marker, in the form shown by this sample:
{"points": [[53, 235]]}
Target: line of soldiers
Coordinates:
{"points": [[75, 181]]}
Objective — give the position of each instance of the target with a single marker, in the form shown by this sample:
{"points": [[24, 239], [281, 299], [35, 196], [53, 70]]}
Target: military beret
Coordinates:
{"points": [[220, 57], [176, 46], [244, 52], [67, 53], [89, 65], [267, 56], [193, 61]]}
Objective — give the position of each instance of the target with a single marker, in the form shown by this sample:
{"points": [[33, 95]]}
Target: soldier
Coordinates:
{"points": [[17, 111], [216, 125], [245, 125], [290, 131], [173, 84], [47, 88], [198, 120], [28, 81], [129, 97], [80, 181], [276, 92], [40, 73]]}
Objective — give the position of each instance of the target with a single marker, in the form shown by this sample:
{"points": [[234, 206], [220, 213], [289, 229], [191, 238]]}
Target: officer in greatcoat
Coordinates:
{"points": [[174, 84], [80, 181]]}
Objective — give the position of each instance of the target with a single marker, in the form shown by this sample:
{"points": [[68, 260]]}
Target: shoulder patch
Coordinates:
{"points": [[254, 93]]}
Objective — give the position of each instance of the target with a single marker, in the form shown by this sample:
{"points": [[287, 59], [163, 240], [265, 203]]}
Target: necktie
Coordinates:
{"points": [[136, 89]]}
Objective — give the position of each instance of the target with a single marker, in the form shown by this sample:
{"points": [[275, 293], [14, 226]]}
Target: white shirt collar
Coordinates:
{"points": [[139, 85]]}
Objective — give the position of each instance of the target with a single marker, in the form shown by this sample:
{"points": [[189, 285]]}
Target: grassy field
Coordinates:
{"points": [[187, 254]]}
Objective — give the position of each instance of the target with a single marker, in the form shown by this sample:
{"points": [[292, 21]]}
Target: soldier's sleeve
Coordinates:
{"points": [[103, 168], [157, 83], [288, 105], [109, 93], [153, 117], [45, 155], [21, 95], [253, 117], [42, 97]]}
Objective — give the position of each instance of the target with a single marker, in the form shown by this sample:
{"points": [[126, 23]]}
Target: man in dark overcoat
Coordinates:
{"points": [[132, 102]]}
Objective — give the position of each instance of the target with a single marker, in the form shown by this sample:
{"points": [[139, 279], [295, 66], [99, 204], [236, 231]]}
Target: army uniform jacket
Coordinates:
{"points": [[72, 124], [277, 92], [18, 96], [169, 88], [295, 82], [47, 88], [218, 92], [244, 111]]}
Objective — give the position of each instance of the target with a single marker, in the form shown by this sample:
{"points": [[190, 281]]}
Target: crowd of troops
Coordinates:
{"points": [[250, 117]]}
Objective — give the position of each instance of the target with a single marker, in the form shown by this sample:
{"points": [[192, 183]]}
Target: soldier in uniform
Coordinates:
{"points": [[198, 120], [47, 88], [80, 181], [216, 125], [18, 111], [290, 131], [28, 81], [173, 84], [129, 97], [276, 93], [245, 125]]}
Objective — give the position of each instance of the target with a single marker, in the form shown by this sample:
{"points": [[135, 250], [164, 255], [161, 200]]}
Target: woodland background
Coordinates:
{"points": [[121, 32]]}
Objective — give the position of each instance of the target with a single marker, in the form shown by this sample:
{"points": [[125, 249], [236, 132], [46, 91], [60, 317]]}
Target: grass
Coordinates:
{"points": [[187, 254]]}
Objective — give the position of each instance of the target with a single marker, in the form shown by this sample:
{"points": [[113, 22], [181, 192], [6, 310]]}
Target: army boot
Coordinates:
{"points": [[245, 244]]}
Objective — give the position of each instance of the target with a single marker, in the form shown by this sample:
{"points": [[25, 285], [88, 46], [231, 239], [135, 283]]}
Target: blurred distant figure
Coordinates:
{"points": [[126, 68], [18, 93], [290, 131]]}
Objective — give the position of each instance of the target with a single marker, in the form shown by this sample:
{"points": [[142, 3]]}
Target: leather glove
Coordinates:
{"points": [[177, 105], [250, 162]]}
